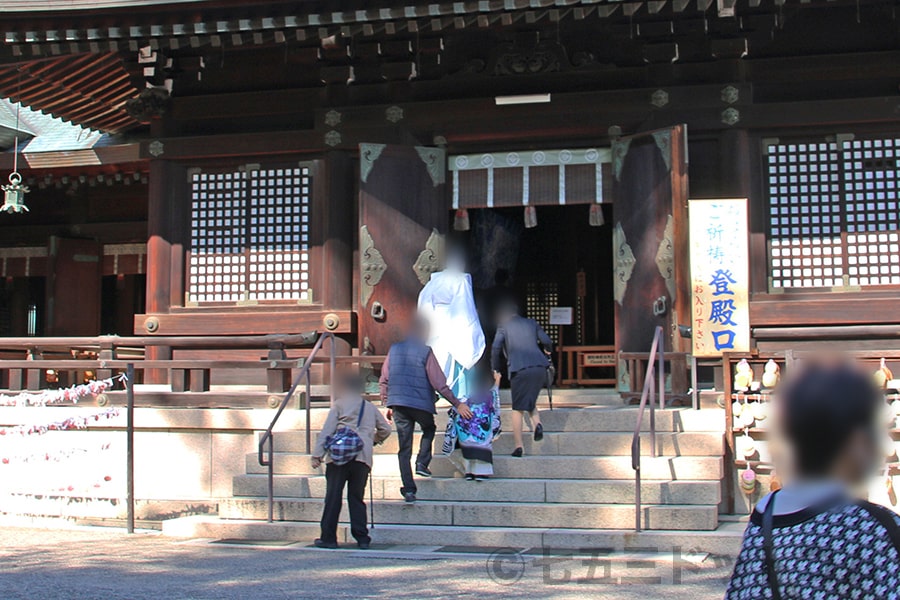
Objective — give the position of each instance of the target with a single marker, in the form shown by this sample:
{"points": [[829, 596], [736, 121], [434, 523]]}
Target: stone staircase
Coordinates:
{"points": [[575, 488]]}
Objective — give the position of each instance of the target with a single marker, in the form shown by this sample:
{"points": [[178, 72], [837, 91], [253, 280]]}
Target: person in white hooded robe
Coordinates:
{"points": [[456, 337]]}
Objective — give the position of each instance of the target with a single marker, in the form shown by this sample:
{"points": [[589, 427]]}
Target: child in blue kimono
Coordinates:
{"points": [[474, 437]]}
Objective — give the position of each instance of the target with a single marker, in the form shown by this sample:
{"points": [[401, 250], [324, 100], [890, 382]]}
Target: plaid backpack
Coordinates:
{"points": [[345, 445]]}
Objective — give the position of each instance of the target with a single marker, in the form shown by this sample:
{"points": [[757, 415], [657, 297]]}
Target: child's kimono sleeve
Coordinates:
{"points": [[495, 412]]}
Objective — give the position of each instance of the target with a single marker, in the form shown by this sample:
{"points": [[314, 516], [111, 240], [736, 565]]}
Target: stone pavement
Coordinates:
{"points": [[107, 564]]}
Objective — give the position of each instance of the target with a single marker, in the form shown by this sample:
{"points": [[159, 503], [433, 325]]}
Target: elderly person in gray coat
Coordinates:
{"points": [[373, 429]]}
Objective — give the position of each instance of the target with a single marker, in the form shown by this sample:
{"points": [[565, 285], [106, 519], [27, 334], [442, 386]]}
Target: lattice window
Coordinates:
{"points": [[870, 186], [218, 235], [279, 234], [250, 235], [833, 214], [541, 296]]}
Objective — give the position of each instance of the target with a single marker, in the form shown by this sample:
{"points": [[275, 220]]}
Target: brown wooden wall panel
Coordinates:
{"points": [[581, 184], [243, 323], [509, 185], [26, 267], [74, 269], [543, 185], [856, 310], [473, 187], [127, 264]]}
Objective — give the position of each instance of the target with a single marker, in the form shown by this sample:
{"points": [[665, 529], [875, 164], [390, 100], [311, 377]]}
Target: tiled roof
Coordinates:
{"points": [[179, 24], [54, 5]]}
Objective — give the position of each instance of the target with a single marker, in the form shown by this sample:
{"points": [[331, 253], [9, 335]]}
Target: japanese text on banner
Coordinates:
{"points": [[720, 314]]}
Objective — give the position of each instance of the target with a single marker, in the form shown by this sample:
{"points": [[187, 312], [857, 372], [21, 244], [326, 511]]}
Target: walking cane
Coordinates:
{"points": [[551, 375], [371, 502]]}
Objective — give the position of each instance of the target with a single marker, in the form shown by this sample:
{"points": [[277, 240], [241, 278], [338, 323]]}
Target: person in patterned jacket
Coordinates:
{"points": [[812, 539]]}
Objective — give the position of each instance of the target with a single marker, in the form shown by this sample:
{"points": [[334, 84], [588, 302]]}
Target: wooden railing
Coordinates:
{"points": [[636, 362], [33, 364], [578, 365]]}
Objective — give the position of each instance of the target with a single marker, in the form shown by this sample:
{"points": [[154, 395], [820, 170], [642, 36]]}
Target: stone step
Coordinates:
{"points": [[499, 490], [489, 514], [591, 418], [569, 397], [568, 443], [724, 541], [707, 468]]}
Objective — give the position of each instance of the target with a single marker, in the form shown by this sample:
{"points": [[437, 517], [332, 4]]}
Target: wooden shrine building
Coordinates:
{"points": [[214, 168], [246, 144]]}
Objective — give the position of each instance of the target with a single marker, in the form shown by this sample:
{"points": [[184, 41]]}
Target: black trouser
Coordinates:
{"points": [[405, 419], [354, 474]]}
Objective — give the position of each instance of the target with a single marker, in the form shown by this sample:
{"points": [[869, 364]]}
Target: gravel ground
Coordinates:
{"points": [[108, 564]]}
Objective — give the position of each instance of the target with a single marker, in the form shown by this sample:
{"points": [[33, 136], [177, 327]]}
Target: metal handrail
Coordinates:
{"points": [[269, 435], [657, 353]]}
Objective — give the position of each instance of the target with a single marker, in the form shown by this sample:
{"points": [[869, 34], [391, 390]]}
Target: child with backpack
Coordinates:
{"points": [[352, 428]]}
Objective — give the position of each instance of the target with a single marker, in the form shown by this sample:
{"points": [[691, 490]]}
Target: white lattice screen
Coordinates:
{"points": [[250, 235], [833, 214]]}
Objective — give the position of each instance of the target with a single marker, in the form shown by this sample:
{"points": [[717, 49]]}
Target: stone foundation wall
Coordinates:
{"points": [[185, 460]]}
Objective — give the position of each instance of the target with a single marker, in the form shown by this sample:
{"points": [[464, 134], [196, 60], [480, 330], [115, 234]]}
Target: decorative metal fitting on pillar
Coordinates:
{"points": [[331, 322], [659, 98], [151, 324], [730, 94], [731, 116]]}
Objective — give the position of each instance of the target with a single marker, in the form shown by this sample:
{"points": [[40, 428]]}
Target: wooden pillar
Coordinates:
{"points": [[740, 177], [179, 192], [164, 279], [734, 164], [335, 216]]}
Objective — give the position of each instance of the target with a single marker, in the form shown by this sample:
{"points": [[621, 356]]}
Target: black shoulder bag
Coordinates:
{"points": [[769, 546]]}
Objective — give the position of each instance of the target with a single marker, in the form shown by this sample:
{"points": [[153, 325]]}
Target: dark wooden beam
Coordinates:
{"points": [[855, 309], [127, 156], [783, 70], [577, 119], [36, 235], [254, 321]]}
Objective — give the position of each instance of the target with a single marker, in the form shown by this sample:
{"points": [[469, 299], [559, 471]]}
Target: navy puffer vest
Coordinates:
{"points": [[408, 383]]}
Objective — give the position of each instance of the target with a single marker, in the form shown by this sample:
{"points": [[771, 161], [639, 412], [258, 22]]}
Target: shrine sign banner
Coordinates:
{"points": [[720, 276]]}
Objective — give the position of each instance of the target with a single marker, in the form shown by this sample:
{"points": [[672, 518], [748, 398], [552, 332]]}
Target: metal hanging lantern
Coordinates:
{"points": [[14, 195]]}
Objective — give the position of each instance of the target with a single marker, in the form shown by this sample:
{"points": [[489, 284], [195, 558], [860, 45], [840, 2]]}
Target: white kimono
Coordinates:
{"points": [[455, 333]]}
